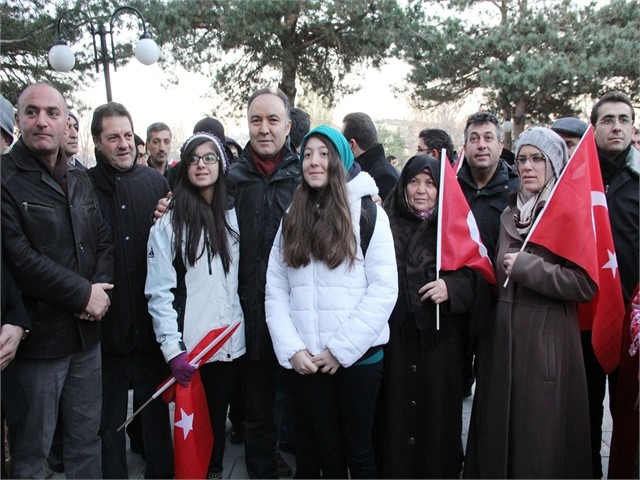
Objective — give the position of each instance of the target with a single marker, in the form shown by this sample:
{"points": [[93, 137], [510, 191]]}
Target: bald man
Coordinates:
{"points": [[57, 246]]}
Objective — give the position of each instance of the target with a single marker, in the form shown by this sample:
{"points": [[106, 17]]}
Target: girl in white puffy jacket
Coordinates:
{"points": [[327, 307], [192, 278]]}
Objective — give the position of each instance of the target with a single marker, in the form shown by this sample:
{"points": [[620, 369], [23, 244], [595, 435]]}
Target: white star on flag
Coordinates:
{"points": [[185, 423], [612, 263]]}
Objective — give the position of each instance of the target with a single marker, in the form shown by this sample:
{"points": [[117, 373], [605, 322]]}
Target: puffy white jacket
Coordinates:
{"points": [[345, 310], [212, 296]]}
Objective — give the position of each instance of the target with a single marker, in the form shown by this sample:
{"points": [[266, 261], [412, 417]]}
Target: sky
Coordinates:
{"points": [[145, 91]]}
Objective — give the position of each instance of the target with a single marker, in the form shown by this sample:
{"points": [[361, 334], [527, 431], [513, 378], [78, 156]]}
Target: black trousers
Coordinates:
{"points": [[259, 380], [144, 371], [334, 422], [218, 381], [596, 385]]}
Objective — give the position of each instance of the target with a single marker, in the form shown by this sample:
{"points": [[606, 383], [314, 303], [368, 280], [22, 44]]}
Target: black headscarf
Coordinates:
{"points": [[415, 246]]}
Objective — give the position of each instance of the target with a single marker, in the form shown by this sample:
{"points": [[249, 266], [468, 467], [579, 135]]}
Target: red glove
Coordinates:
{"points": [[181, 369]]}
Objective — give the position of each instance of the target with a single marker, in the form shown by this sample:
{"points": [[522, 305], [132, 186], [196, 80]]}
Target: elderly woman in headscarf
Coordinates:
{"points": [[530, 416], [419, 415]]}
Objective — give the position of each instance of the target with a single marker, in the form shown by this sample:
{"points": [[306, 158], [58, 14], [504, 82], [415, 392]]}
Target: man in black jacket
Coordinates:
{"points": [[359, 130], [262, 182], [58, 249], [612, 118], [486, 181], [127, 194]]}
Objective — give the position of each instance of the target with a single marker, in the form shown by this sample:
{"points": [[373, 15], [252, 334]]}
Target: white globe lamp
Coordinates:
{"points": [[62, 58], [147, 51]]}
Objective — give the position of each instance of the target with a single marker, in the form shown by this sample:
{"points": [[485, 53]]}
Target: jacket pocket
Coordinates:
{"points": [[42, 225]]}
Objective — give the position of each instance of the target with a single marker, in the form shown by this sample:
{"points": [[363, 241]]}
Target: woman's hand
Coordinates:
{"points": [[302, 363], [436, 291], [326, 362], [507, 263]]}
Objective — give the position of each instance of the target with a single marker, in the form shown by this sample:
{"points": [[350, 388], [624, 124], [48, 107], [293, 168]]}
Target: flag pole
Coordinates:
{"points": [[544, 207], [193, 363], [443, 158]]}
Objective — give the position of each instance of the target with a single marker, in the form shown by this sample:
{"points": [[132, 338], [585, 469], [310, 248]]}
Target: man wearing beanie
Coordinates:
{"points": [[612, 118], [6, 124], [570, 130], [127, 193], [262, 183]]}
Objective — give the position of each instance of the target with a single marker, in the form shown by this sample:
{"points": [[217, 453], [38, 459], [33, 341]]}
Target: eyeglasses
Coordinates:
{"points": [[609, 120], [423, 150], [208, 159], [535, 159]]}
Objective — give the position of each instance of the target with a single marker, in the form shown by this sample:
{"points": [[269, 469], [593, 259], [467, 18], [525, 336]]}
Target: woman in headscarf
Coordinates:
{"points": [[419, 415], [530, 416]]}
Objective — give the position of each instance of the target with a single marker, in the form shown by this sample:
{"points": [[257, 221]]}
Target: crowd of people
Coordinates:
{"points": [[326, 254]]}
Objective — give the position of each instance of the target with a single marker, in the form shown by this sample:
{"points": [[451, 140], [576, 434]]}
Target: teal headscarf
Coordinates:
{"points": [[337, 139]]}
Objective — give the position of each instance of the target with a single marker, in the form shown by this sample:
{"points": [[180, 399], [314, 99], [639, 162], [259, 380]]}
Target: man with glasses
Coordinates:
{"points": [[127, 194], [431, 141], [612, 118]]}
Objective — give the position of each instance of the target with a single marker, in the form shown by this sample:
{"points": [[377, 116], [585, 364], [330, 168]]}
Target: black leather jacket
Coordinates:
{"points": [[56, 245], [260, 204]]}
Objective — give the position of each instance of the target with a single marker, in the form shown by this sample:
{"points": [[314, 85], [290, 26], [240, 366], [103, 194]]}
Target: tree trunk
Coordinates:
{"points": [[289, 55], [519, 119]]}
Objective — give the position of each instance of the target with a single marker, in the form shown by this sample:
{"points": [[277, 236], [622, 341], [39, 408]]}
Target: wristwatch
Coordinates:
{"points": [[25, 334]]}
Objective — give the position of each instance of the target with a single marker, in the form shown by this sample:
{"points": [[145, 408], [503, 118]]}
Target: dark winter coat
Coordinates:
{"points": [[419, 414], [622, 192], [260, 204], [375, 163], [127, 201], [13, 396], [56, 245], [530, 415]]}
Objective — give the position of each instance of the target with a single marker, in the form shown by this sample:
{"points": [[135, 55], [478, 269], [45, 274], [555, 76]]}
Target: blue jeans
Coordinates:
{"points": [[334, 421], [73, 383]]}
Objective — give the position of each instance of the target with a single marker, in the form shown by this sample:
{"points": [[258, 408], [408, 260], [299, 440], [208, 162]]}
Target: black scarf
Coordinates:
{"points": [[415, 247]]}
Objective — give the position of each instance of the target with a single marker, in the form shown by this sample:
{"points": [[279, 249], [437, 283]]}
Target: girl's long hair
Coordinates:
{"points": [[193, 218], [318, 224]]}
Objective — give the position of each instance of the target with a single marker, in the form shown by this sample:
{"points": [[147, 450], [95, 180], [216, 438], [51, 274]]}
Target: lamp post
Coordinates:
{"points": [[62, 58]]}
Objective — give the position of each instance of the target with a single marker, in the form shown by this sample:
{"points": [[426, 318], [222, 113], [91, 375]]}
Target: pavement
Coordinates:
{"points": [[234, 465]]}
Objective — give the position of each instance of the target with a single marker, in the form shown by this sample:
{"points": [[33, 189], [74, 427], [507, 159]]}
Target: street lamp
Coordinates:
{"points": [[62, 58]]}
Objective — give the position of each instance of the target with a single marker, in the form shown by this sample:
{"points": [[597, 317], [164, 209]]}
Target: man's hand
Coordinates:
{"points": [[161, 207], [10, 336], [326, 362], [302, 363], [98, 302], [436, 291]]}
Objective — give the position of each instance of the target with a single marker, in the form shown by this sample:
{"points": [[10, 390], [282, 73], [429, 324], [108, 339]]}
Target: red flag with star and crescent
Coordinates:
{"points": [[193, 436], [459, 243], [575, 225]]}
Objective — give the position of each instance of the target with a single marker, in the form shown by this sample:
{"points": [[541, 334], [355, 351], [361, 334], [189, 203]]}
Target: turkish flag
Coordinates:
{"points": [[193, 437], [212, 336], [574, 224], [459, 243]]}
